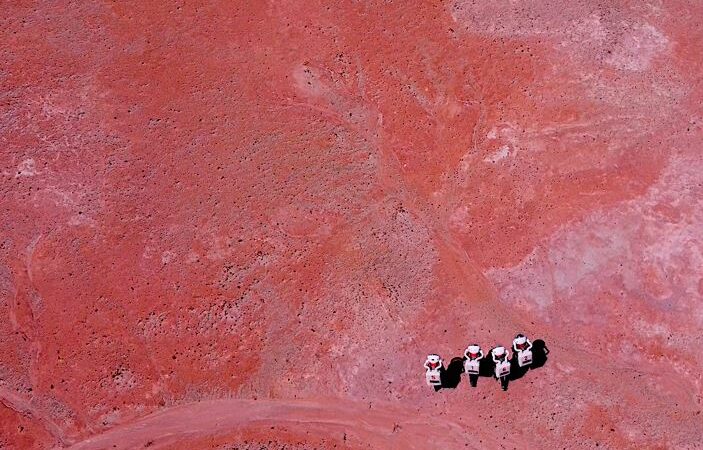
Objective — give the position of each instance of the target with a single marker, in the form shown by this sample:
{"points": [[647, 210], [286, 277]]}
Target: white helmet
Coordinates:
{"points": [[473, 349], [499, 350], [433, 358], [520, 339]]}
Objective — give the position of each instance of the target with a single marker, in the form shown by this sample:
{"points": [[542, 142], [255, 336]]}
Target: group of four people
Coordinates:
{"points": [[473, 356]]}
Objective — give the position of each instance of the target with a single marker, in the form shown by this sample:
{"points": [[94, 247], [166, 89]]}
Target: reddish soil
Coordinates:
{"points": [[242, 225]]}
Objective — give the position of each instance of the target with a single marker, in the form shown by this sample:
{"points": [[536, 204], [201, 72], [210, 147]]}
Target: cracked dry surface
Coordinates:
{"points": [[240, 225]]}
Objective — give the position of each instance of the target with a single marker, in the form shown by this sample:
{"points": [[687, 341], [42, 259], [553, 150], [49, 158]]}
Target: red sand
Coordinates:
{"points": [[287, 205]]}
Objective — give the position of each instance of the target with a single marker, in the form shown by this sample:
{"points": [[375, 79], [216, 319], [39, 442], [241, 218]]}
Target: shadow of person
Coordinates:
{"points": [[486, 366], [451, 376], [539, 354]]}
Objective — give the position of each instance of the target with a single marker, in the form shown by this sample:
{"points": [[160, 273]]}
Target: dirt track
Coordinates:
{"points": [[355, 425]]}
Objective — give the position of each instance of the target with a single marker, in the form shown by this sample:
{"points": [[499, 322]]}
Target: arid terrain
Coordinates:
{"points": [[243, 225]]}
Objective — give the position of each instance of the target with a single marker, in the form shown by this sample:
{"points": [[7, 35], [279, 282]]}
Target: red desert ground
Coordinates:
{"points": [[245, 224]]}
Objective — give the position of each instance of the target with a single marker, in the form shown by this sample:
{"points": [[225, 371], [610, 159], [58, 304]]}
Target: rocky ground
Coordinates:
{"points": [[243, 225]]}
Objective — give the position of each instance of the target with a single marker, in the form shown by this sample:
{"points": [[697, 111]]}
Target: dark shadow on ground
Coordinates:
{"points": [[451, 376], [486, 366], [539, 354]]}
